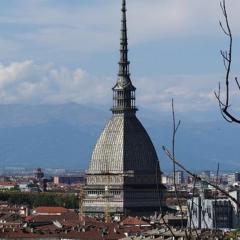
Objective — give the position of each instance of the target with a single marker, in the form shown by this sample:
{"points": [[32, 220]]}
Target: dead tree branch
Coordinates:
{"points": [[191, 211], [215, 197], [174, 132], [160, 201], [224, 104], [198, 178]]}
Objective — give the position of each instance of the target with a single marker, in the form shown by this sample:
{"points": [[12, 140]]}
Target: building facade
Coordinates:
{"points": [[233, 178], [68, 179], [210, 213], [124, 174], [179, 177], [235, 193]]}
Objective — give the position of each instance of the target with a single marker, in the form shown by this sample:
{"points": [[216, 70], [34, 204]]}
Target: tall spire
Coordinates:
{"points": [[124, 63], [124, 91]]}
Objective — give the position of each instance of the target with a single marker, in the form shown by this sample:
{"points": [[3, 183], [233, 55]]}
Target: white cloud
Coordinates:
{"points": [[45, 27], [28, 82], [191, 93]]}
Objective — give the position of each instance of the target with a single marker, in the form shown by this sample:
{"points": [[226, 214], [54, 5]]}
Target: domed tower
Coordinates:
{"points": [[124, 175]]}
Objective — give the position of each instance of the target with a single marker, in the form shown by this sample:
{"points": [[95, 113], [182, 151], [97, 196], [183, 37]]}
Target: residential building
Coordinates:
{"points": [[179, 177], [233, 178], [68, 179], [236, 210], [7, 185], [49, 211], [210, 213]]}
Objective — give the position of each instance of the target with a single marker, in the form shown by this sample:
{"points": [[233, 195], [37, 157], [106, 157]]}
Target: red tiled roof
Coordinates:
{"points": [[134, 221], [98, 231], [7, 183], [53, 217], [28, 218], [70, 235], [51, 210]]}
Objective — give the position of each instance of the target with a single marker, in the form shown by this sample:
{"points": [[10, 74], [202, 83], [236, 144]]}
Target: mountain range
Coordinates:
{"points": [[63, 136]]}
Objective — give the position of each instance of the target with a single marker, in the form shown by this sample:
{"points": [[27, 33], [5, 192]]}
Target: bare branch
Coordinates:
{"points": [[225, 64], [160, 201], [224, 55], [215, 197], [178, 125], [191, 210], [236, 80], [218, 96], [224, 105], [223, 29], [231, 117], [221, 104], [198, 177], [175, 128]]}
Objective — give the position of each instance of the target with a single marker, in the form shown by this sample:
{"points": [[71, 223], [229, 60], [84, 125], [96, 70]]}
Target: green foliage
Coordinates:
{"points": [[232, 235], [41, 199]]}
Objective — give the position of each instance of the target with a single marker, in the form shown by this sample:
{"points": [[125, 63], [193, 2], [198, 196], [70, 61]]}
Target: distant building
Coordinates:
{"points": [[4, 179], [206, 175], [179, 177], [38, 173], [236, 209], [210, 213], [24, 187], [233, 178], [167, 179], [7, 185], [164, 179], [68, 179]]}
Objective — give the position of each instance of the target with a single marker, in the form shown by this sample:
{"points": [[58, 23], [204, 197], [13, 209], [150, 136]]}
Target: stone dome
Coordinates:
{"points": [[124, 145]]}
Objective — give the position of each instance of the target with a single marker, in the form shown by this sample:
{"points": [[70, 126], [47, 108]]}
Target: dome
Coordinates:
{"points": [[124, 145]]}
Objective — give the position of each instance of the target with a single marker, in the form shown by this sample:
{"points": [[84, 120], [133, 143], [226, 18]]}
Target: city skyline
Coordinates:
{"points": [[111, 126]]}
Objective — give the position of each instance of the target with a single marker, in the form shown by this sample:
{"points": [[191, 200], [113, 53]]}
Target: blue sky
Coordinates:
{"points": [[56, 51]]}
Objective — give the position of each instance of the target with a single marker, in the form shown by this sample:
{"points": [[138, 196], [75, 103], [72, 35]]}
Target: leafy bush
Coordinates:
{"points": [[41, 199]]}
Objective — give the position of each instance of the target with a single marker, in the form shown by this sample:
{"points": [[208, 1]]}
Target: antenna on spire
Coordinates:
{"points": [[124, 63]]}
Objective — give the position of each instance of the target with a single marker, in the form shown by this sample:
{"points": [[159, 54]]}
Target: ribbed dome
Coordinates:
{"points": [[124, 145]]}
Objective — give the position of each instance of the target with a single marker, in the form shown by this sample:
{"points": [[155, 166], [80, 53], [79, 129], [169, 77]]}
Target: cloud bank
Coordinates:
{"points": [[28, 82]]}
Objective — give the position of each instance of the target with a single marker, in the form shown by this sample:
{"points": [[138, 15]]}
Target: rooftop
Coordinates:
{"points": [[50, 210]]}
